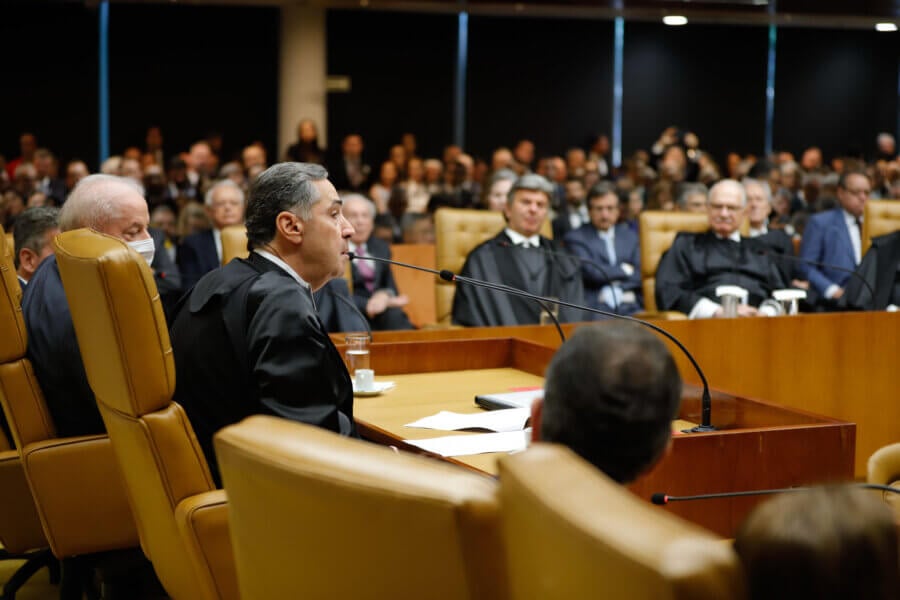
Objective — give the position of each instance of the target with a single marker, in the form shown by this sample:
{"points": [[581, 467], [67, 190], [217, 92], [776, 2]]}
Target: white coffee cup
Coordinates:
{"points": [[365, 380]]}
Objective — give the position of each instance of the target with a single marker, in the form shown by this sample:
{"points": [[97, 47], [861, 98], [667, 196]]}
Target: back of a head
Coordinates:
{"points": [[611, 393], [95, 201], [824, 543]]}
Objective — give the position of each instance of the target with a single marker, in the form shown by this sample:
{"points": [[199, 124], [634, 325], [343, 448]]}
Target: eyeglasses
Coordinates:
{"points": [[715, 207]]}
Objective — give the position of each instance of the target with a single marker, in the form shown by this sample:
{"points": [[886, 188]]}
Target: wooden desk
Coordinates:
{"points": [[760, 446], [843, 365]]}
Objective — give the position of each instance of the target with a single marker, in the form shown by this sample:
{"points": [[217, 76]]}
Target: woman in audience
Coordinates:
{"points": [[306, 148], [823, 543], [380, 192], [417, 194], [501, 181]]}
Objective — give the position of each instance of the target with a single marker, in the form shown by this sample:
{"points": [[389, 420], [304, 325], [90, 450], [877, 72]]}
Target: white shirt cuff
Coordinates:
{"points": [[831, 290], [629, 270], [704, 309]]}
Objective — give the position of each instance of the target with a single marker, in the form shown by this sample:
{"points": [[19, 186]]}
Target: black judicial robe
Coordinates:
{"points": [[697, 263], [247, 340], [880, 267], [781, 244], [497, 261], [336, 308]]}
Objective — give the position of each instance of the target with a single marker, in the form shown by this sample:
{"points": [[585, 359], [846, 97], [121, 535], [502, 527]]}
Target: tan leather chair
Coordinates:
{"points": [[20, 527], [657, 231], [456, 232], [571, 532], [884, 469], [124, 342], [880, 217], [317, 515], [234, 243], [74, 482]]}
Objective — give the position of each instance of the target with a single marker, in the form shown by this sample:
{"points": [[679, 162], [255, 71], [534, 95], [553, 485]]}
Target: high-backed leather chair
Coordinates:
{"points": [[74, 481], [456, 232], [317, 515], [20, 527], [571, 532], [124, 342], [880, 217], [657, 231], [234, 243], [884, 469]]}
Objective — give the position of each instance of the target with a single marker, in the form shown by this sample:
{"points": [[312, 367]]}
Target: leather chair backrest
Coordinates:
{"points": [[354, 519], [657, 231], [884, 469], [21, 398], [127, 355], [880, 217], [571, 532], [456, 232], [234, 243]]}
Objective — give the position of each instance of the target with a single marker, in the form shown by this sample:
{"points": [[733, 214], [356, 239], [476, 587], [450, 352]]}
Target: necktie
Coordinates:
{"points": [[610, 249], [366, 269]]}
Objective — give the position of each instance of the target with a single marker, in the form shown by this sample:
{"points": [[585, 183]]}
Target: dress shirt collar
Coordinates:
{"points": [[609, 233], [518, 239], [217, 239], [850, 219], [760, 231], [734, 237], [284, 266], [21, 279], [352, 246]]}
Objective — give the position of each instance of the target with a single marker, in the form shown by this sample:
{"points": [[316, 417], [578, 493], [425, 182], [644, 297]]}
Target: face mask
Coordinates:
{"points": [[145, 248]]}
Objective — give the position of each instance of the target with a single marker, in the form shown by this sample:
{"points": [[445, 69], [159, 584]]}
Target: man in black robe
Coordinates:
{"points": [[519, 257], [880, 268], [697, 263], [247, 340]]}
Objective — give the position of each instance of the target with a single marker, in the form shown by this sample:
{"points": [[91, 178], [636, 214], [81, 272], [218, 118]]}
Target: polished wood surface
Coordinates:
{"points": [[759, 446], [417, 285], [842, 365]]}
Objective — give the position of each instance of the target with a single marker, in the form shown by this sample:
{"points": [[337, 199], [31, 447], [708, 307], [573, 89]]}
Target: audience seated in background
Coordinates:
{"points": [[692, 197], [880, 268], [418, 228], [776, 241], [108, 204], [201, 252], [247, 339], [34, 233], [697, 263], [574, 211], [610, 394], [609, 255], [519, 257], [375, 293], [820, 544]]}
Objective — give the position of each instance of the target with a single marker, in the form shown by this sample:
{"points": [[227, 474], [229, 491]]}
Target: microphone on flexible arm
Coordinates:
{"points": [[357, 311], [706, 400], [449, 276], [660, 498], [599, 267], [815, 263]]}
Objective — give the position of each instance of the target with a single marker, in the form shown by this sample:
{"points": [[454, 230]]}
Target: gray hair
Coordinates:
{"points": [[94, 201], [211, 192], [688, 190], [763, 184], [504, 175], [532, 182], [282, 187], [30, 228], [347, 198], [729, 184]]}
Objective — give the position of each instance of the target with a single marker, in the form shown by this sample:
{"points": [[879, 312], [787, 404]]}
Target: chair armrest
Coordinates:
{"points": [[98, 517], [203, 523]]}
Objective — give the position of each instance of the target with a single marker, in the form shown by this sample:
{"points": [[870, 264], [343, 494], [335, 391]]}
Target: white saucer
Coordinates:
{"points": [[380, 387]]}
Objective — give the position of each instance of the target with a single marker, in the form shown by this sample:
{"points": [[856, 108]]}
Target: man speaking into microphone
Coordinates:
{"points": [[519, 257], [247, 340]]}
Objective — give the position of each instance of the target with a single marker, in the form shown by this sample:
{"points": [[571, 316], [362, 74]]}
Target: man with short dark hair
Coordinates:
{"points": [[610, 394], [35, 229], [247, 339], [519, 257]]}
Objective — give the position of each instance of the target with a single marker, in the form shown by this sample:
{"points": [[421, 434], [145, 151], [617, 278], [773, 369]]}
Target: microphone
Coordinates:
{"points": [[706, 412], [815, 263], [449, 276], [660, 498], [598, 266]]}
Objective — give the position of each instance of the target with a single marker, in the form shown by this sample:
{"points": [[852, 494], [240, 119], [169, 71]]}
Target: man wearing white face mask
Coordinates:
{"points": [[110, 205]]}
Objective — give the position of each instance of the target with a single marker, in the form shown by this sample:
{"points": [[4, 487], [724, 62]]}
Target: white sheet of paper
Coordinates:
{"points": [[476, 443], [512, 419]]}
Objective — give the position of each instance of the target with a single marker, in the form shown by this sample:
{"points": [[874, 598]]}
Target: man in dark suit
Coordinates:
{"points": [[201, 252], [880, 268], [775, 241], [834, 237], [609, 253], [34, 232], [47, 181], [521, 258], [574, 212], [110, 205], [374, 290], [247, 339], [349, 172]]}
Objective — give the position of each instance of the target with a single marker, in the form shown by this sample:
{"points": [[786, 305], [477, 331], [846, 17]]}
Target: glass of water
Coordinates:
{"points": [[357, 354]]}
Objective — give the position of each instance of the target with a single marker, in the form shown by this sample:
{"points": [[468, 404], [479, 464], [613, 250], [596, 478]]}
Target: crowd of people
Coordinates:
{"points": [[252, 337]]}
